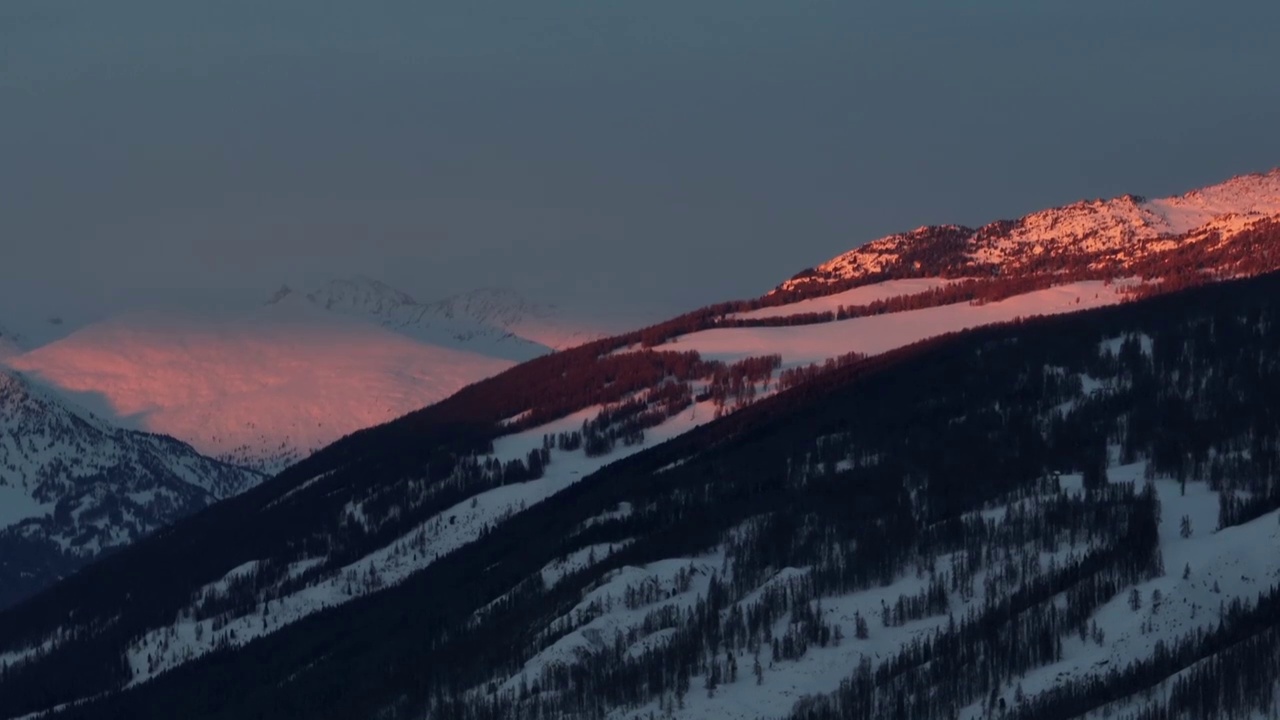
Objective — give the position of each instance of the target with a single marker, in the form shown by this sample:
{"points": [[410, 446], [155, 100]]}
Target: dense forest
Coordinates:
{"points": [[870, 471]]}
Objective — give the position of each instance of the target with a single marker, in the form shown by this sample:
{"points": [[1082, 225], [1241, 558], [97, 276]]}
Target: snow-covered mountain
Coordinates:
{"points": [[512, 313], [73, 485], [495, 322], [263, 389], [655, 510]]}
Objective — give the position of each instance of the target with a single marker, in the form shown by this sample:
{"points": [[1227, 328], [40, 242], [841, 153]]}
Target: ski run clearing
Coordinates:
{"points": [[804, 344]]}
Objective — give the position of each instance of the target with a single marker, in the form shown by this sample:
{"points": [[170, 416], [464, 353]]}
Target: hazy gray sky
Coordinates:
{"points": [[653, 155]]}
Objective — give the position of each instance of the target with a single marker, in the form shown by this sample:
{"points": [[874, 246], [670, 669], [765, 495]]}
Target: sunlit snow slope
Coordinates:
{"points": [[259, 390], [805, 344], [265, 388], [1101, 233]]}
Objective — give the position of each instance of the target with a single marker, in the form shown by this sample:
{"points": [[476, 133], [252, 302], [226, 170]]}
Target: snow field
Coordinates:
{"points": [[804, 344]]}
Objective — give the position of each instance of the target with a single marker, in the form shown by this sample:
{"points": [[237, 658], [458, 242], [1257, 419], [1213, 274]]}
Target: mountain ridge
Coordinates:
{"points": [[503, 317], [1104, 234], [74, 486]]}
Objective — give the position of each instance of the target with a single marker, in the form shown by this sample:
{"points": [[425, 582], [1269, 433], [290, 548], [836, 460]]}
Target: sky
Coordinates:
{"points": [[630, 160]]}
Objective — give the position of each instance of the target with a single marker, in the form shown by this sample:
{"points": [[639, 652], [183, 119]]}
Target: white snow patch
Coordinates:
{"points": [[873, 335]]}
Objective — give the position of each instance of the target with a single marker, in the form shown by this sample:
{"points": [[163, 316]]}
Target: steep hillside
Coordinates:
{"points": [[1041, 519], [73, 486]]}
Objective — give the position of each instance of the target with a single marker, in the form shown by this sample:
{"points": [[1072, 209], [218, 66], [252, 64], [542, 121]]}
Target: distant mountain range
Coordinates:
{"points": [[494, 321]]}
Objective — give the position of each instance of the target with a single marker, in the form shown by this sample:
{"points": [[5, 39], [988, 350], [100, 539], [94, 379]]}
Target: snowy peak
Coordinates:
{"points": [[489, 321], [883, 255], [1102, 235], [503, 313], [1253, 195], [47, 438], [492, 307], [359, 295], [494, 321], [23, 406]]}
